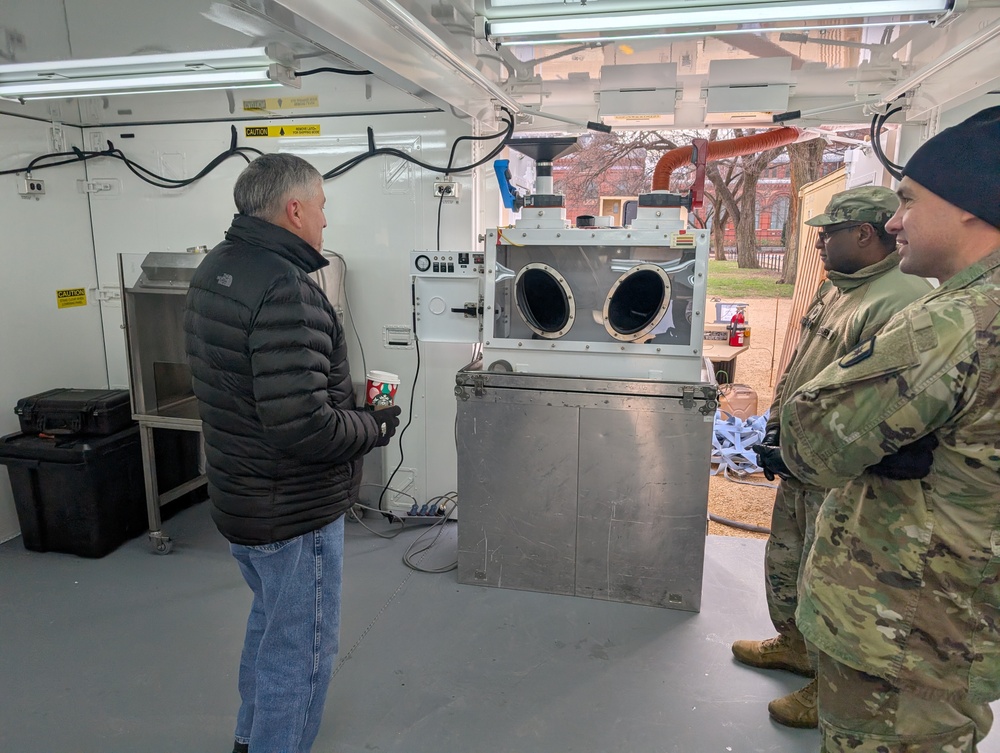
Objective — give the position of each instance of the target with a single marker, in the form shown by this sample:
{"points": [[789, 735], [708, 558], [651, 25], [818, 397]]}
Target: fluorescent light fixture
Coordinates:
{"points": [[141, 74], [564, 40], [566, 23]]}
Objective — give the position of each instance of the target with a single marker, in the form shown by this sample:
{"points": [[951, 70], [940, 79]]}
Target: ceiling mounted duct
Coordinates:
{"points": [[141, 74], [644, 94], [747, 91], [499, 26]]}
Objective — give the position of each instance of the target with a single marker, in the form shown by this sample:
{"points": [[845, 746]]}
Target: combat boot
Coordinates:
{"points": [[780, 652], [796, 709]]}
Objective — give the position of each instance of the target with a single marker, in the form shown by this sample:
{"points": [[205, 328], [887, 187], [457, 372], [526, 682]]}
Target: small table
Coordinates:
{"points": [[723, 358]]}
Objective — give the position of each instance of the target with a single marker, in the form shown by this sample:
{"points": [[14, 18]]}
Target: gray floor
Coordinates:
{"points": [[138, 652]]}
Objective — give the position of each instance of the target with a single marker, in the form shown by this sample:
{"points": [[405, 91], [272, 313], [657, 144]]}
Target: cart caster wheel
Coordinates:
{"points": [[161, 544]]}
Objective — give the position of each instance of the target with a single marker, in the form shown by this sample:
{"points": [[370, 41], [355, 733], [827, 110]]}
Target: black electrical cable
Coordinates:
{"points": [[341, 71], [160, 181], [738, 524], [413, 393], [111, 151], [233, 150], [374, 151], [440, 203], [454, 146], [875, 132], [449, 171], [882, 122], [412, 550], [877, 124]]}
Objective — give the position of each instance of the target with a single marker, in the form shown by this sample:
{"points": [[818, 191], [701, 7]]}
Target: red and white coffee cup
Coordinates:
{"points": [[380, 389]]}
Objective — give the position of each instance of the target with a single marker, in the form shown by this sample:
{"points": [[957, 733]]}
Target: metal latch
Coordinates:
{"points": [[687, 397], [710, 403], [478, 387]]}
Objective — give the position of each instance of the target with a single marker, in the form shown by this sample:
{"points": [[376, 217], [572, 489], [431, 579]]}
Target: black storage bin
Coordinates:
{"points": [[72, 411], [83, 495]]}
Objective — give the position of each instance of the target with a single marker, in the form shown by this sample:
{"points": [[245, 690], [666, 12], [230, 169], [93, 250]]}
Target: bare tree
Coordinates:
{"points": [[727, 193], [624, 162], [723, 174], [751, 166]]}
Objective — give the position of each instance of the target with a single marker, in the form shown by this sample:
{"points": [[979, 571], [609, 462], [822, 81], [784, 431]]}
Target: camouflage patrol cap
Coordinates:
{"points": [[872, 204]]}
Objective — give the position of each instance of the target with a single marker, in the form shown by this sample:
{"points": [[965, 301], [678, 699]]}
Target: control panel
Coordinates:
{"points": [[448, 296], [447, 263]]}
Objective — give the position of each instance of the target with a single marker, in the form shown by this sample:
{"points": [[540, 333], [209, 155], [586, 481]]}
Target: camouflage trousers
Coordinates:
{"points": [[860, 713], [793, 524]]}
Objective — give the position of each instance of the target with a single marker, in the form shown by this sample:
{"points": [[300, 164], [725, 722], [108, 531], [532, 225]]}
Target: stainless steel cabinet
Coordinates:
{"points": [[585, 487]]}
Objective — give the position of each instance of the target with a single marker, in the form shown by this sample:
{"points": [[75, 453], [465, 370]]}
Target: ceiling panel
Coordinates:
{"points": [[431, 54]]}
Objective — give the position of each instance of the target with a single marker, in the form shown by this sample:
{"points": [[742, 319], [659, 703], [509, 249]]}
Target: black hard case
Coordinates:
{"points": [[77, 495], [72, 411]]}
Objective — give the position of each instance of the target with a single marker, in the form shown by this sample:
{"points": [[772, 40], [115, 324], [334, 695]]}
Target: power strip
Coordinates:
{"points": [[421, 519]]}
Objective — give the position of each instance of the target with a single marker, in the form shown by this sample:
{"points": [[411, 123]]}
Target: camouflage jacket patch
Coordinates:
{"points": [[859, 354]]}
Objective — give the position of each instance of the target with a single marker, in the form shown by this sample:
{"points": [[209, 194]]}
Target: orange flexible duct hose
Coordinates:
{"points": [[758, 142]]}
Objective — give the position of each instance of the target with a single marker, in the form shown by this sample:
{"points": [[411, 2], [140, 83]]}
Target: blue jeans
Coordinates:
{"points": [[292, 638]]}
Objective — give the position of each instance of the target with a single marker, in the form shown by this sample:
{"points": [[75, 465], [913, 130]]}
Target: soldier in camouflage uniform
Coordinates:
{"points": [[863, 289], [901, 590]]}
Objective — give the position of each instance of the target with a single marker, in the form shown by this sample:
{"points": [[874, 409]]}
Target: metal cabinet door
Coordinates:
{"points": [[517, 482]]}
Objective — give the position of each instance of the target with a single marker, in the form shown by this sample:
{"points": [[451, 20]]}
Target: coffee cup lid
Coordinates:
{"points": [[382, 376]]}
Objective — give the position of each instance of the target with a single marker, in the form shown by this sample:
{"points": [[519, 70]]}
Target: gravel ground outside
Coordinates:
{"points": [[751, 502]]}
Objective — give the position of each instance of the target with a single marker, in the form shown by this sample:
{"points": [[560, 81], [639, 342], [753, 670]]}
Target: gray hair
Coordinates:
{"points": [[270, 180]]}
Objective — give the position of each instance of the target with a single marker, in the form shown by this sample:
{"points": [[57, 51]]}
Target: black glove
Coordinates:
{"points": [[910, 461], [771, 436], [386, 423], [769, 458]]}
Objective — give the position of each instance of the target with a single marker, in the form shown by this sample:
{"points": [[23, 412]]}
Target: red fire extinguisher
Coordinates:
{"points": [[736, 327]]}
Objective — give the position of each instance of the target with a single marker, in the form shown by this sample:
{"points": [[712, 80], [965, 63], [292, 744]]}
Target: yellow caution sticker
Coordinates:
{"points": [[71, 297], [682, 239], [280, 103], [281, 131]]}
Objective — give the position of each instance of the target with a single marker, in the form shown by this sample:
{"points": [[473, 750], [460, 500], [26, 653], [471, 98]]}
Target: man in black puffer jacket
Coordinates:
{"points": [[283, 441]]}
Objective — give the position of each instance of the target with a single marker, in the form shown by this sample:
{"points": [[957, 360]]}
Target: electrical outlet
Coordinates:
{"points": [[446, 188], [29, 187]]}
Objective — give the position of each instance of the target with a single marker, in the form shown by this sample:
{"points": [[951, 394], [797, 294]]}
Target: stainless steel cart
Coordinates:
{"points": [[159, 377], [585, 487]]}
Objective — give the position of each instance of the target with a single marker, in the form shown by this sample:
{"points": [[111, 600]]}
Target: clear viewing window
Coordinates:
{"points": [[594, 294]]}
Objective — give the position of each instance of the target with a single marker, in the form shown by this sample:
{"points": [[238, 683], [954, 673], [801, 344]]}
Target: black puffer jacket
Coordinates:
{"points": [[269, 364]]}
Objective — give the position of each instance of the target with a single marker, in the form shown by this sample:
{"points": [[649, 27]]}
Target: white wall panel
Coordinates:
{"points": [[377, 214], [46, 245]]}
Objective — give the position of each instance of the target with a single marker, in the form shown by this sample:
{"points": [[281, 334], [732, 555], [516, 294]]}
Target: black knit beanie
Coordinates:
{"points": [[962, 165]]}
